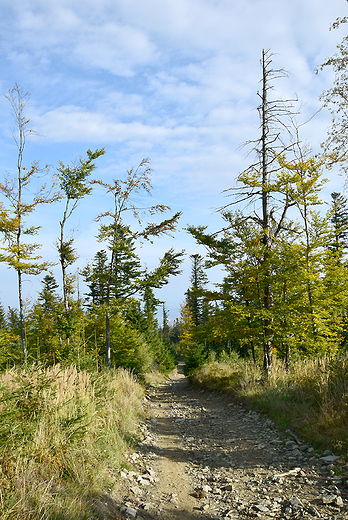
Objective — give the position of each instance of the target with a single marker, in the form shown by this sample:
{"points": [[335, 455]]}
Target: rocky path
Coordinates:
{"points": [[203, 456]]}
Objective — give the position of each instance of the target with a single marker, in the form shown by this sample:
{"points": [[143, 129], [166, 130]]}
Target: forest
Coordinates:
{"points": [[282, 251]]}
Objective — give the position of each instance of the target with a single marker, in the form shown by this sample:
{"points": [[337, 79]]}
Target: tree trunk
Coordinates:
{"points": [[21, 313], [251, 342], [287, 357], [62, 257], [107, 339], [309, 285], [268, 290]]}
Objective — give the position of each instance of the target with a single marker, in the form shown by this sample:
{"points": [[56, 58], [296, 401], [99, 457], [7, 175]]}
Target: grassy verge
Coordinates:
{"points": [[311, 399], [63, 436]]}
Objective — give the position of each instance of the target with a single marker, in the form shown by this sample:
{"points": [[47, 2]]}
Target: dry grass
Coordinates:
{"points": [[155, 378], [63, 436], [312, 398]]}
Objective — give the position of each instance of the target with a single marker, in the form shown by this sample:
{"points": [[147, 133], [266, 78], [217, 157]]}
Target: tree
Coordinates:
{"points": [[165, 323], [75, 185], [339, 221], [18, 253], [263, 186], [48, 296], [96, 275], [335, 98], [121, 239], [194, 294]]}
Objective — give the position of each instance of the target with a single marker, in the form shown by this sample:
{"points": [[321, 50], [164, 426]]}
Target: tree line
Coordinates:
{"points": [[285, 286], [116, 318], [284, 289]]}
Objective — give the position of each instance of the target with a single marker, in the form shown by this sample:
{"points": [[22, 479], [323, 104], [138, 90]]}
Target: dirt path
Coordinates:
{"points": [[204, 456]]}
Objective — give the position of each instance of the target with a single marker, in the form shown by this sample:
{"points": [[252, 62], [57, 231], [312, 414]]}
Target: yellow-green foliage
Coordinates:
{"points": [[129, 348], [312, 398], [63, 435]]}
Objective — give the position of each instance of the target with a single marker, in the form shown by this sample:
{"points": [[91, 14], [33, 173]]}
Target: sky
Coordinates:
{"points": [[172, 80]]}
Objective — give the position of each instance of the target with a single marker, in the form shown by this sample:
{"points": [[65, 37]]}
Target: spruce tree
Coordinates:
{"points": [[194, 294], [339, 221]]}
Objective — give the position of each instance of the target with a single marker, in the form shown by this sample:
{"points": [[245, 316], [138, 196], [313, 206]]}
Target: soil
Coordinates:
{"points": [[203, 456]]}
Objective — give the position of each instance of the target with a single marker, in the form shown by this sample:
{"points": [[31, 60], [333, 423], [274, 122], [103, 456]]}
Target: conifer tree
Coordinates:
{"points": [[194, 294], [121, 239], [96, 275], [48, 296], [339, 221], [165, 323]]}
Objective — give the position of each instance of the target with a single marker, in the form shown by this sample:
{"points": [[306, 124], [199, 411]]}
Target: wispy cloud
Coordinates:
{"points": [[173, 80]]}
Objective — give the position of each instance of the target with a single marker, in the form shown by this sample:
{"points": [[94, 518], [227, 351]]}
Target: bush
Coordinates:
{"points": [[195, 357]]}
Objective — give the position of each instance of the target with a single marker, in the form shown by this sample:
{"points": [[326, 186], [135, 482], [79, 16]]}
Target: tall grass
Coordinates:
{"points": [[63, 435], [312, 398]]}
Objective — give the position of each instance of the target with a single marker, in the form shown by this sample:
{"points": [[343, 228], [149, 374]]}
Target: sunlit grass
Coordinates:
{"points": [[312, 398], [63, 436]]}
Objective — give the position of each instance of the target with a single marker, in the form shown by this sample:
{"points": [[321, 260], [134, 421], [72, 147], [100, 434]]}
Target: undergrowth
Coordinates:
{"points": [[63, 436], [311, 398]]}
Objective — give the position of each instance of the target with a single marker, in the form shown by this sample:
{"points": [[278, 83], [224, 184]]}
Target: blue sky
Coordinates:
{"points": [[173, 80]]}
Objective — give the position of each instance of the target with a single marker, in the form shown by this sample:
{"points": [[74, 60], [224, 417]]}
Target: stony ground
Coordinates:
{"points": [[203, 456]]}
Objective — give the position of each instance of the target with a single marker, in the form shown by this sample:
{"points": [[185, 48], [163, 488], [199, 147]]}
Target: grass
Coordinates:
{"points": [[63, 438], [311, 399]]}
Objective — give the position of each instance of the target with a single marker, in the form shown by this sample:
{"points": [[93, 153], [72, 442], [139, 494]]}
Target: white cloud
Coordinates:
{"points": [[175, 80], [71, 123], [115, 48]]}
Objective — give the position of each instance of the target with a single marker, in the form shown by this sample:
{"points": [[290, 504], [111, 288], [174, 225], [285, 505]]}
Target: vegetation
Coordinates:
{"points": [[273, 332], [285, 285], [63, 438], [312, 399]]}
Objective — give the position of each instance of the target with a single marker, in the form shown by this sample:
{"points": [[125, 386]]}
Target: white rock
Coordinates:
{"points": [[338, 502], [329, 499], [329, 459], [262, 508]]}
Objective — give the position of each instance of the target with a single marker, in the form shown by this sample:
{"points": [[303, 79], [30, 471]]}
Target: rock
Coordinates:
{"points": [[132, 513], [147, 506], [261, 508], [327, 453], [296, 453], [329, 459], [329, 499], [296, 503], [311, 509], [339, 502], [200, 494], [143, 481]]}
